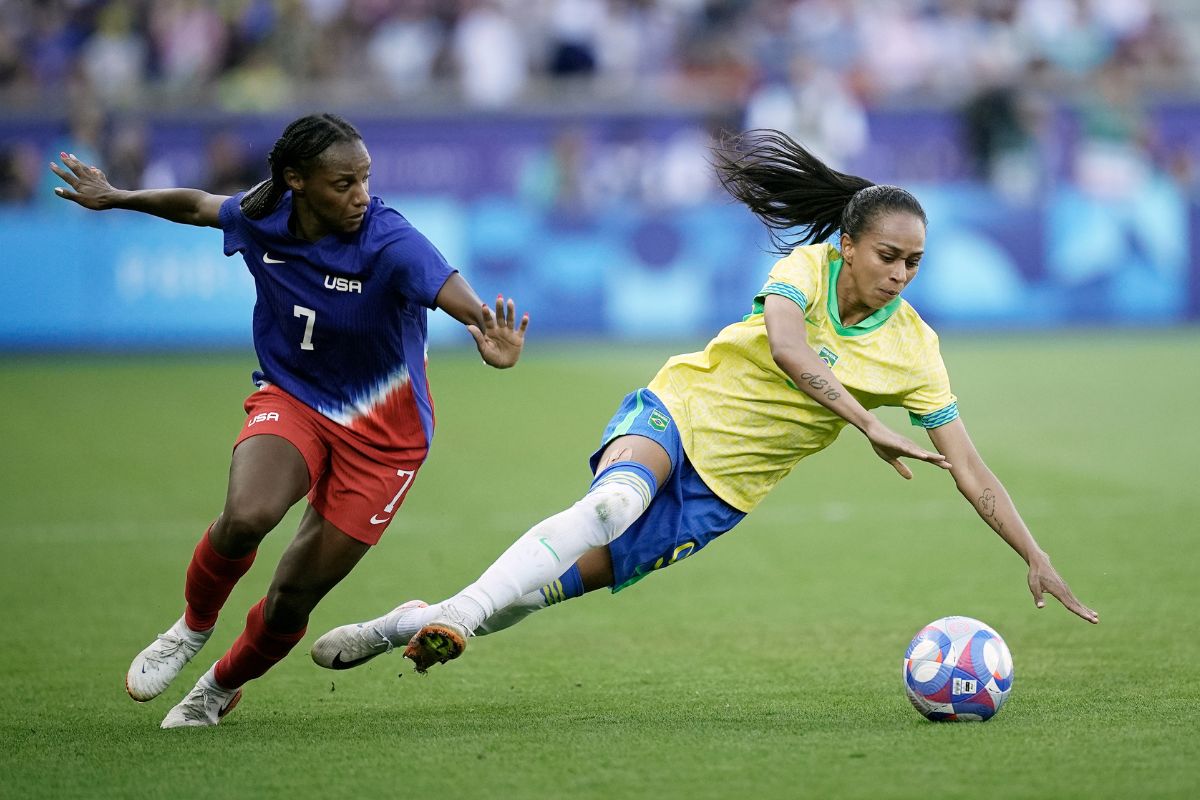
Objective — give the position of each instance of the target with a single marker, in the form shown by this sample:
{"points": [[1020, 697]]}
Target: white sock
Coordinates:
{"points": [[616, 500], [400, 628], [209, 679], [514, 613], [181, 630]]}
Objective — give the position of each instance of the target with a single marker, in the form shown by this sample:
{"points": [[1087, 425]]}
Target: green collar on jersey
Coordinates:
{"points": [[867, 325]]}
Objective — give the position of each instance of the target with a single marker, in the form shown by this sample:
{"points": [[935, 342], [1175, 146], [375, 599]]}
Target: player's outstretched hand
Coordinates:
{"points": [[1044, 578], [501, 339], [88, 186], [891, 447]]}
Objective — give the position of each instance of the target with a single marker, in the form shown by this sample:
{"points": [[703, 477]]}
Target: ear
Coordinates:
{"points": [[847, 247], [294, 180]]}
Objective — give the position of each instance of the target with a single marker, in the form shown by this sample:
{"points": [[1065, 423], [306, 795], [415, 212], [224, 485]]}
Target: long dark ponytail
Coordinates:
{"points": [[302, 141], [790, 189]]}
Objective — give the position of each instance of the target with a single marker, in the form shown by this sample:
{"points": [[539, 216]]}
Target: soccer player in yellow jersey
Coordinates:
{"points": [[686, 458]]}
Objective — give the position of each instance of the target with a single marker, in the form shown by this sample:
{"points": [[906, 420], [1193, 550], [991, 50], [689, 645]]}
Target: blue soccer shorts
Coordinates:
{"points": [[683, 517]]}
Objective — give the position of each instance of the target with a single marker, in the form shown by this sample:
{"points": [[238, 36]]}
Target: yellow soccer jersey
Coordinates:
{"points": [[745, 425]]}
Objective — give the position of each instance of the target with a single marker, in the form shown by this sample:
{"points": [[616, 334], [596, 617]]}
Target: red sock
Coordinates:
{"points": [[257, 650], [210, 578]]}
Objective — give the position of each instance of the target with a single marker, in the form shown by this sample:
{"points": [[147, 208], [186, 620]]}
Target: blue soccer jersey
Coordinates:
{"points": [[340, 324]]}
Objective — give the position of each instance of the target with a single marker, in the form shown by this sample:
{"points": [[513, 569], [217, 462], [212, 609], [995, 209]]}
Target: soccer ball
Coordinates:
{"points": [[957, 668]]}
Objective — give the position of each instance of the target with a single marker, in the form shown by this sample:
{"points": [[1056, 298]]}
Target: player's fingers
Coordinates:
{"points": [[68, 177], [1083, 612], [510, 313], [66, 193], [489, 319], [1068, 599], [1036, 589], [938, 460], [476, 334], [74, 164], [902, 468], [925, 455], [500, 309], [524, 324]]}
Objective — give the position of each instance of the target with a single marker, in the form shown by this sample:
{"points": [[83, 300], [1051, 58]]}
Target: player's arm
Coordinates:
{"points": [[990, 500], [90, 189], [788, 338], [497, 335]]}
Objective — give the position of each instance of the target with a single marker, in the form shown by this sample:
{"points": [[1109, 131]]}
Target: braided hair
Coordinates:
{"points": [[301, 142], [787, 187]]}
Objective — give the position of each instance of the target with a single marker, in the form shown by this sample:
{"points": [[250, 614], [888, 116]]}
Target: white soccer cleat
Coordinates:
{"points": [[357, 643], [203, 707], [154, 668]]}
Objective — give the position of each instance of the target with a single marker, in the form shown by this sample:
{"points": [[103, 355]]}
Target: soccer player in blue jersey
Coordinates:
{"points": [[342, 412], [685, 459]]}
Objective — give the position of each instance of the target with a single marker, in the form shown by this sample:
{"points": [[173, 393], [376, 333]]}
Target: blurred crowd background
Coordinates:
{"points": [[257, 55], [1022, 117], [813, 68]]}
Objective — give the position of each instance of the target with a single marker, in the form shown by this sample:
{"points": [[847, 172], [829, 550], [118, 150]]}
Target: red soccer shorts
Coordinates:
{"points": [[354, 486]]}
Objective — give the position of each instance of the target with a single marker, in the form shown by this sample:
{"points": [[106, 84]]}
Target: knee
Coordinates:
{"points": [[604, 514], [243, 525], [617, 505], [619, 496]]}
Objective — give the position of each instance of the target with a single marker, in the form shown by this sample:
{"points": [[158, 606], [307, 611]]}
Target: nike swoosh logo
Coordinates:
{"points": [[375, 521], [268, 260], [337, 662]]}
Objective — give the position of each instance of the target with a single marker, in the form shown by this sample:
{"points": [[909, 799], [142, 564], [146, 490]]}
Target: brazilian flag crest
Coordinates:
{"points": [[658, 420], [828, 356]]}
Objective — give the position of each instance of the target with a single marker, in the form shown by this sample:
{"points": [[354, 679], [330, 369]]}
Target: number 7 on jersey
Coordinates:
{"points": [[310, 318]]}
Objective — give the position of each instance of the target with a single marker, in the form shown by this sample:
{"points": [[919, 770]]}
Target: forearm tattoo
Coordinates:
{"points": [[987, 508], [821, 385]]}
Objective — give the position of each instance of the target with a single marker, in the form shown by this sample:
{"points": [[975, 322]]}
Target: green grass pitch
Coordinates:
{"points": [[766, 666]]}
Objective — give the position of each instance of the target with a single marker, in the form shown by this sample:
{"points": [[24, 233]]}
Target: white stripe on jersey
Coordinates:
{"points": [[363, 404]]}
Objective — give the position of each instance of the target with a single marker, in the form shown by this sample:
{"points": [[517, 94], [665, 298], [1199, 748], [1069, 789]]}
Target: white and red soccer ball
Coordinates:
{"points": [[957, 668]]}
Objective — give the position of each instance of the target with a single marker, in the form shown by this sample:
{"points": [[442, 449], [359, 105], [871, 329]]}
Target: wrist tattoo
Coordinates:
{"points": [[821, 385]]}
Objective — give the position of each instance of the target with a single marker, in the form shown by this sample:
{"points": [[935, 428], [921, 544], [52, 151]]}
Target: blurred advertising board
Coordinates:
{"points": [[76, 279]]}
